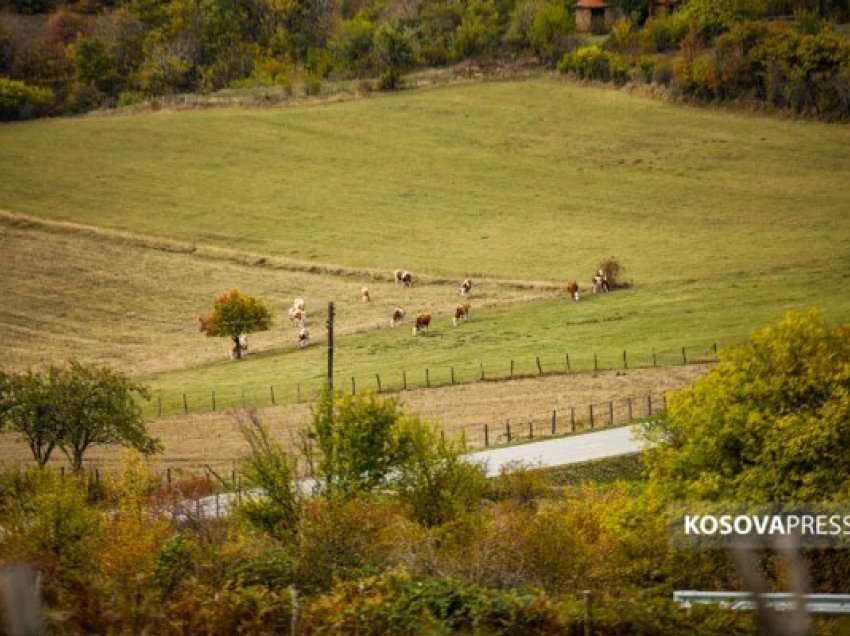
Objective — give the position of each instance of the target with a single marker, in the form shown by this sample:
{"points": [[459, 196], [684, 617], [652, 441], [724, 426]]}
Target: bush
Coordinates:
{"points": [[591, 62], [663, 73], [549, 30], [20, 101], [662, 34], [766, 425]]}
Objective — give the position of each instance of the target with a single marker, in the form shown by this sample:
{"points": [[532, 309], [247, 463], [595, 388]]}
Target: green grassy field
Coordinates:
{"points": [[723, 221]]}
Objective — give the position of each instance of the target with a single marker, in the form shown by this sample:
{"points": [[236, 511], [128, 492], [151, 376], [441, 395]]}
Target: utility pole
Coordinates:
{"points": [[330, 348]]}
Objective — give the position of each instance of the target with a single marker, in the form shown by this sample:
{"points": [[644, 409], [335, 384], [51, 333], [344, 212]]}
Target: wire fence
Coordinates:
{"points": [[227, 397]]}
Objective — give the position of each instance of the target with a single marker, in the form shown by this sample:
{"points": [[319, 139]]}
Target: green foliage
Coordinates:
{"points": [[270, 469], [21, 101], [478, 32], [354, 45], [660, 34], [175, 564], [594, 63], [549, 29], [73, 408], [766, 425], [393, 51], [359, 442], [712, 17], [433, 479], [235, 314]]}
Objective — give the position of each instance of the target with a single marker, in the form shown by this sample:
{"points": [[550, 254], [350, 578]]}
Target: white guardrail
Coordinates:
{"points": [[823, 604]]}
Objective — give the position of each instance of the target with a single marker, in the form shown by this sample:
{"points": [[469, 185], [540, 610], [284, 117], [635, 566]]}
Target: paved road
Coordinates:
{"points": [[562, 451], [546, 453]]}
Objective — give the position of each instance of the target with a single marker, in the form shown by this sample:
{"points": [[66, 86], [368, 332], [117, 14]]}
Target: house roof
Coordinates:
{"points": [[591, 4]]}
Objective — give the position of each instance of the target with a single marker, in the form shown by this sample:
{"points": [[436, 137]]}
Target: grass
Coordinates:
{"points": [[724, 221], [603, 471]]}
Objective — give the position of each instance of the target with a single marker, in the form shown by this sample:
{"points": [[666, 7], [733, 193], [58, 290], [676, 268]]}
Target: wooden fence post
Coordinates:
{"points": [[486, 435], [591, 416], [453, 375], [482, 369], [595, 363], [512, 369], [159, 405], [654, 359], [663, 403], [378, 380], [649, 404], [443, 435], [539, 367], [684, 356], [714, 346], [629, 404], [611, 413], [531, 429], [185, 404], [168, 477], [625, 360], [428, 378], [404, 380], [353, 386], [217, 506], [572, 419], [554, 422], [213, 400], [271, 393], [299, 392], [508, 430], [567, 359]]}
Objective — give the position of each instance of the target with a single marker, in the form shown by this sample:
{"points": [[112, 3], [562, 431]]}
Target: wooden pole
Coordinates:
{"points": [[572, 419], [159, 405], [299, 392], [539, 367], [554, 421], [530, 429], [684, 356], [486, 435], [512, 369], [330, 365], [625, 360], [482, 370], [567, 356], [404, 380], [427, 378], [629, 404], [213, 401], [649, 404], [508, 430], [271, 392], [654, 359], [353, 386], [185, 404], [595, 363], [378, 381], [611, 413], [591, 416], [453, 375]]}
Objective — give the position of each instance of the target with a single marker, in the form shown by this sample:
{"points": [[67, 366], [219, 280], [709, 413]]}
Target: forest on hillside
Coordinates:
{"points": [[68, 57]]}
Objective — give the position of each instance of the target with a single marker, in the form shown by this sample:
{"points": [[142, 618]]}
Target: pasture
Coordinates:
{"points": [[723, 220]]}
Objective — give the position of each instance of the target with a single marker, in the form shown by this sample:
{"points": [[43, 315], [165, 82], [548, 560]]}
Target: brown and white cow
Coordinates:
{"points": [[461, 313], [572, 290], [422, 323], [398, 316], [407, 279], [364, 294], [296, 315], [303, 337], [465, 287]]}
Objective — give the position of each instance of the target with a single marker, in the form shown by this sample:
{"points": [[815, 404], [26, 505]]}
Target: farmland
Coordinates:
{"points": [[723, 220]]}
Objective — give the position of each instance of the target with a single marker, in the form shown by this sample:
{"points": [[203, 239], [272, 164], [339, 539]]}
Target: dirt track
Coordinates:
{"points": [[214, 438]]}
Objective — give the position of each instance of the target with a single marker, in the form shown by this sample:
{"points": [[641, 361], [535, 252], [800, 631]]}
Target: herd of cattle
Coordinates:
{"points": [[298, 313]]}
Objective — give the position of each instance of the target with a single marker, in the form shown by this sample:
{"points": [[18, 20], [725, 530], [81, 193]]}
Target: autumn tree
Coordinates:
{"points": [[768, 424], [234, 314], [74, 408]]}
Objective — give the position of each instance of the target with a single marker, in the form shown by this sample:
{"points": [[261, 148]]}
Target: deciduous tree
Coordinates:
{"points": [[234, 314]]}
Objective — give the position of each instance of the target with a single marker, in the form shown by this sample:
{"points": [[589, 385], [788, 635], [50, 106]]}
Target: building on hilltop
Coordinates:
{"points": [[594, 16], [664, 7]]}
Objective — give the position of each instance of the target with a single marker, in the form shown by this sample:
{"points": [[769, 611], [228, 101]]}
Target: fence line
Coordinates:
{"points": [[258, 396]]}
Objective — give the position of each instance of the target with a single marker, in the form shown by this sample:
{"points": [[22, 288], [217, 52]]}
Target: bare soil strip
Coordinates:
{"points": [[214, 439]]}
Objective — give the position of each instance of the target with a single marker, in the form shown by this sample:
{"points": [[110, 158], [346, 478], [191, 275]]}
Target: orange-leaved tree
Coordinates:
{"points": [[235, 314]]}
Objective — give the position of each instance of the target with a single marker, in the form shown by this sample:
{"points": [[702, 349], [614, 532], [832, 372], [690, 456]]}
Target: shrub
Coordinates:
{"points": [[766, 425], [592, 62], [21, 101], [478, 33], [646, 68], [660, 34], [663, 73], [549, 30]]}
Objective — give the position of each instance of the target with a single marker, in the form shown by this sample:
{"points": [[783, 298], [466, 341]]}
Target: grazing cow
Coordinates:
{"points": [[407, 279], [600, 282], [422, 323], [240, 347], [461, 313], [298, 304], [465, 287], [297, 315], [364, 294], [398, 315], [572, 290], [303, 337]]}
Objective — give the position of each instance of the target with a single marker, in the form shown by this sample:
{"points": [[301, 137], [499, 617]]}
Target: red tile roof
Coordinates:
{"points": [[591, 4]]}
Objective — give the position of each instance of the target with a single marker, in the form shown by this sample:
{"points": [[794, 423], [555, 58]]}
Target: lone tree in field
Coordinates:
{"points": [[233, 315], [74, 408]]}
